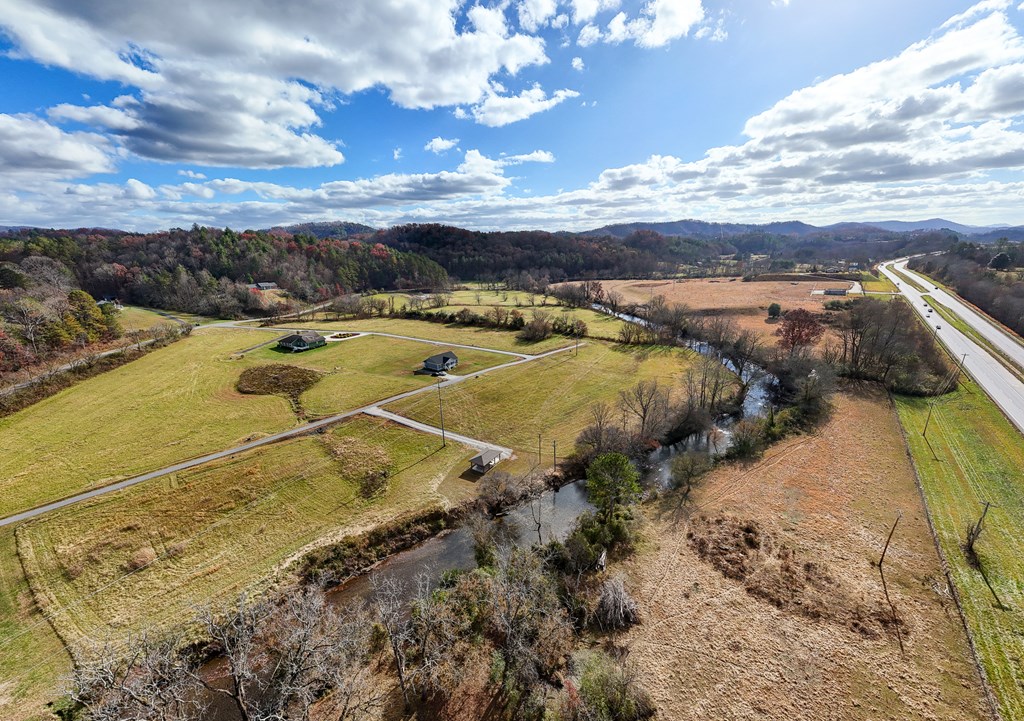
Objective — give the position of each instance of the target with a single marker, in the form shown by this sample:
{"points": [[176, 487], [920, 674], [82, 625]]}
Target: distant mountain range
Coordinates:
{"points": [[795, 228]]}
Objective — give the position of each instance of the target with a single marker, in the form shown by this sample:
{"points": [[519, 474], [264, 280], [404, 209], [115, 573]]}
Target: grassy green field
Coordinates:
{"points": [[479, 337], [174, 403], [32, 657], [599, 325], [367, 369], [180, 402], [876, 283], [209, 533], [978, 456], [133, 318], [551, 397]]}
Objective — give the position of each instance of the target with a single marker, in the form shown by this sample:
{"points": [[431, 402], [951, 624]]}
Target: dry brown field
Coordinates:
{"points": [[762, 598], [746, 303]]}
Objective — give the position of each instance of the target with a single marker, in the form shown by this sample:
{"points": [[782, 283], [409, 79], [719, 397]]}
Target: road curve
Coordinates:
{"points": [[283, 435], [1002, 386]]}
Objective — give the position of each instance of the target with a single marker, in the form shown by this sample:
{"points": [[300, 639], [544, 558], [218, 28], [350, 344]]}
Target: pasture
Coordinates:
{"points": [[363, 370], [482, 338], [550, 398], [144, 556]]}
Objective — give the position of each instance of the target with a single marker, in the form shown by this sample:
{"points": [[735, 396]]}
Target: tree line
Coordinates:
{"points": [[990, 277], [209, 271]]}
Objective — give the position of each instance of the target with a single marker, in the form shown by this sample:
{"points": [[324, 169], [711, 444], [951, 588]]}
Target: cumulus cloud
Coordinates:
{"points": [[191, 174], [29, 146], [498, 110], [577, 64], [534, 14], [212, 97], [933, 130], [440, 145], [396, 154], [658, 24]]}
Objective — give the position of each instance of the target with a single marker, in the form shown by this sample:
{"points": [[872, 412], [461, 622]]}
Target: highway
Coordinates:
{"points": [[1005, 389]]}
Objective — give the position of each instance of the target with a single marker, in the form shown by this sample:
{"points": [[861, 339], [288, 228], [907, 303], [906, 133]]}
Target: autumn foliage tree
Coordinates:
{"points": [[798, 330]]}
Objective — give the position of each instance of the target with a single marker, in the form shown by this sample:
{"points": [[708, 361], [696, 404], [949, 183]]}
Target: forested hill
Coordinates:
{"points": [[206, 270], [326, 229], [469, 254]]}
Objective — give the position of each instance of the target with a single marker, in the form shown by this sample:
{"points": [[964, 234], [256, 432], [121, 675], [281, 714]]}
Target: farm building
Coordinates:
{"points": [[441, 362], [297, 342], [485, 461]]}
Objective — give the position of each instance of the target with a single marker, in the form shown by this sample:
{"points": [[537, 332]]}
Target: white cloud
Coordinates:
{"points": [[396, 154], [537, 156], [577, 64], [200, 95], [440, 145], [498, 110], [534, 14], [191, 174], [659, 23], [715, 32], [32, 147], [589, 35], [137, 190], [780, 3], [586, 10], [934, 130]]}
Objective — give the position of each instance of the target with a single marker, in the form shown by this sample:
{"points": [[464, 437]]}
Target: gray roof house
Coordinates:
{"points": [[304, 340], [485, 461], [441, 362]]}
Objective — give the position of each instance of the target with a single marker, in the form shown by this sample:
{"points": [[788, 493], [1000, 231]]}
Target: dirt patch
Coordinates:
{"points": [[279, 379], [772, 570], [769, 625]]}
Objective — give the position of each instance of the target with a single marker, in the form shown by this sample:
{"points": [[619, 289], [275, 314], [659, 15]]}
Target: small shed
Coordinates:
{"points": [[485, 461], [441, 362], [266, 286], [835, 291], [304, 340]]}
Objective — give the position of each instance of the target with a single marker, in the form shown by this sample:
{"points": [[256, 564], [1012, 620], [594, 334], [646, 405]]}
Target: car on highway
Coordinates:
{"points": [[938, 327]]}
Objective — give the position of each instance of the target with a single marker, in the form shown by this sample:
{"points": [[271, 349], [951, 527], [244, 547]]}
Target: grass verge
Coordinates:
{"points": [[973, 454], [957, 322]]}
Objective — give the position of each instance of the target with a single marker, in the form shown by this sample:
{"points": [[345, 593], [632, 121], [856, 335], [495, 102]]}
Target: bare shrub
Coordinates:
{"points": [[616, 609]]}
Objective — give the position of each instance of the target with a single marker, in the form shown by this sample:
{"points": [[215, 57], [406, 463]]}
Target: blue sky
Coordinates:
{"points": [[554, 114]]}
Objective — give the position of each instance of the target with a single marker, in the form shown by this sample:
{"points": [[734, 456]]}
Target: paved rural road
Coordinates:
{"points": [[465, 440], [298, 431], [999, 383]]}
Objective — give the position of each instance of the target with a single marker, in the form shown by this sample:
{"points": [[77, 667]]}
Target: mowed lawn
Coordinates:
{"points": [[369, 368], [551, 397], [980, 458], [147, 555], [172, 404], [483, 338], [32, 657]]}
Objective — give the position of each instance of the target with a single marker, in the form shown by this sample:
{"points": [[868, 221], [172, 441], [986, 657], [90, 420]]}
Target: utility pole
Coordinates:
{"points": [[577, 351], [928, 419], [540, 459], [554, 453], [440, 408]]}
